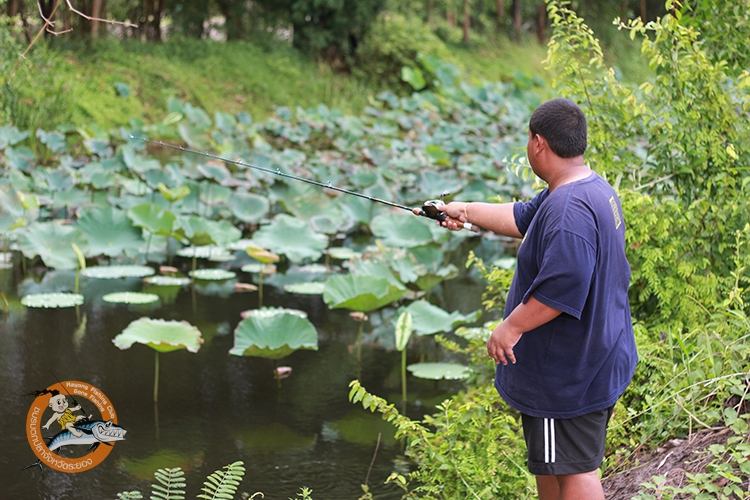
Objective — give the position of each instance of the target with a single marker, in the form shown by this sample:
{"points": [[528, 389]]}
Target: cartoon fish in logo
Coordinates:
{"points": [[93, 433]]}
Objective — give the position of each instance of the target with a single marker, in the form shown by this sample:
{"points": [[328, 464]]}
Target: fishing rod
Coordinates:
{"points": [[430, 209]]}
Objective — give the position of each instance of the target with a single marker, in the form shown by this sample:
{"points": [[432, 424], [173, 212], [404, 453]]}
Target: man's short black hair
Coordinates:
{"points": [[562, 123]]}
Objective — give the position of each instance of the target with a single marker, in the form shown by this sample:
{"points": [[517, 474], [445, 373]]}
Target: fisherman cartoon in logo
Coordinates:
{"points": [[63, 414]]}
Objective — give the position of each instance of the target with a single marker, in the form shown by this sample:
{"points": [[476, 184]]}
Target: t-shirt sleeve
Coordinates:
{"points": [[524, 211], [565, 273]]}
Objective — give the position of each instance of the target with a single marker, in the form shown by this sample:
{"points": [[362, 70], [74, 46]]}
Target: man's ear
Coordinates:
{"points": [[540, 143]]}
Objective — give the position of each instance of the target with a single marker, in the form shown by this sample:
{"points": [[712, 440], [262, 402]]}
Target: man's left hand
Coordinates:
{"points": [[501, 342]]}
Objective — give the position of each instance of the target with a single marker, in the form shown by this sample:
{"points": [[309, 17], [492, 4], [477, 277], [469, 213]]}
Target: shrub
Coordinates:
{"points": [[394, 42]]}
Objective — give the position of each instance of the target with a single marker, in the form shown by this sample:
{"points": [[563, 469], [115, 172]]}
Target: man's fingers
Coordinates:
{"points": [[511, 357]]}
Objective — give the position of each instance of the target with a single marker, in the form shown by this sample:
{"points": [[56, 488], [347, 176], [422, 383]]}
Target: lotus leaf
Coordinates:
{"points": [[291, 237], [10, 135], [211, 252], [55, 141], [504, 262], [167, 281], [252, 268], [437, 371], [311, 288], [249, 207], [429, 319], [172, 195], [160, 335], [360, 293], [116, 272], [51, 241], [52, 300], [200, 231], [212, 274], [403, 330], [154, 219], [109, 232], [274, 333], [401, 230], [261, 254], [342, 253], [240, 245], [130, 298]]}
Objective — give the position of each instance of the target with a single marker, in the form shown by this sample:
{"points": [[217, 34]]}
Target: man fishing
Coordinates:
{"points": [[565, 350]]}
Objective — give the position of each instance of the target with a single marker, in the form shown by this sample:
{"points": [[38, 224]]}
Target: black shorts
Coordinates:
{"points": [[565, 445]]}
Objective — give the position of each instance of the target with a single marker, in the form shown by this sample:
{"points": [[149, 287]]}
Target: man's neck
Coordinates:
{"points": [[567, 171]]}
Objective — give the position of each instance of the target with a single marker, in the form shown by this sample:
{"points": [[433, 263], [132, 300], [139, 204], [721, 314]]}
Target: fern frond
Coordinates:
{"points": [[223, 483], [170, 484]]}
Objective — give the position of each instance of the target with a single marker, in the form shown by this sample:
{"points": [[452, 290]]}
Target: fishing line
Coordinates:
{"points": [[430, 209]]}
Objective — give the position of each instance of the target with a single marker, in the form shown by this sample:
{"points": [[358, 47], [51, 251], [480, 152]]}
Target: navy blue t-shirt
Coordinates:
{"points": [[573, 259]]}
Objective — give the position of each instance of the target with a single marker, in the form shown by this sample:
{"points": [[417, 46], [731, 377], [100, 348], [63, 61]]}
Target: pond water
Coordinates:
{"points": [[213, 408]]}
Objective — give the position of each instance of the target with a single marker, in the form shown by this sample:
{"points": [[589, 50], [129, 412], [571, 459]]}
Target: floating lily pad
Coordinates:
{"points": [[291, 237], [438, 371], [52, 300], [116, 272], [311, 288], [130, 298], [212, 274], [160, 335], [167, 281], [360, 293], [428, 319], [342, 253], [210, 252], [274, 333]]}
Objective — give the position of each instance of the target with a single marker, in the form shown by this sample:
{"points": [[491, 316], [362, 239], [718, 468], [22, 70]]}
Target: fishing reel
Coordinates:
{"points": [[433, 209]]}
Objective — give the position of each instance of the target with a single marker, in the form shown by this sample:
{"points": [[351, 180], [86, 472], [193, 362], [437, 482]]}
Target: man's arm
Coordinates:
{"points": [[524, 318], [495, 217]]}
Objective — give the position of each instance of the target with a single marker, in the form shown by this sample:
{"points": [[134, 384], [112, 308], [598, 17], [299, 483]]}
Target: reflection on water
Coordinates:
{"points": [[214, 408]]}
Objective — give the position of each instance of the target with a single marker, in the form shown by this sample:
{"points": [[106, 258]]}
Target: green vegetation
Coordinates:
{"points": [[683, 180]]}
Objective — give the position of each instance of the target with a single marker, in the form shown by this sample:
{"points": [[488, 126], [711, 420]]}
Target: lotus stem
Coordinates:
{"points": [[260, 289], [156, 378], [403, 377], [148, 244]]}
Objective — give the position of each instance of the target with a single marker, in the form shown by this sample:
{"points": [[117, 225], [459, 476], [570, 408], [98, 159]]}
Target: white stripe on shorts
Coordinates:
{"points": [[546, 442], [552, 440]]}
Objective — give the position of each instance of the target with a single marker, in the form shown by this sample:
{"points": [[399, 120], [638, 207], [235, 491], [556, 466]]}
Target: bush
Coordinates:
{"points": [[394, 42]]}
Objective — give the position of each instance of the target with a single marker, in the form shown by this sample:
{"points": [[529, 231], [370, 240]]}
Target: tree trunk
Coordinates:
{"points": [[450, 16], [156, 23], [466, 25], [96, 11], [541, 22], [644, 11], [499, 13], [12, 8], [517, 18], [428, 11]]}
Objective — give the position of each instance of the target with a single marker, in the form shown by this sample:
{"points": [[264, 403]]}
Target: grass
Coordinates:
{"points": [[76, 82], [231, 77]]}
